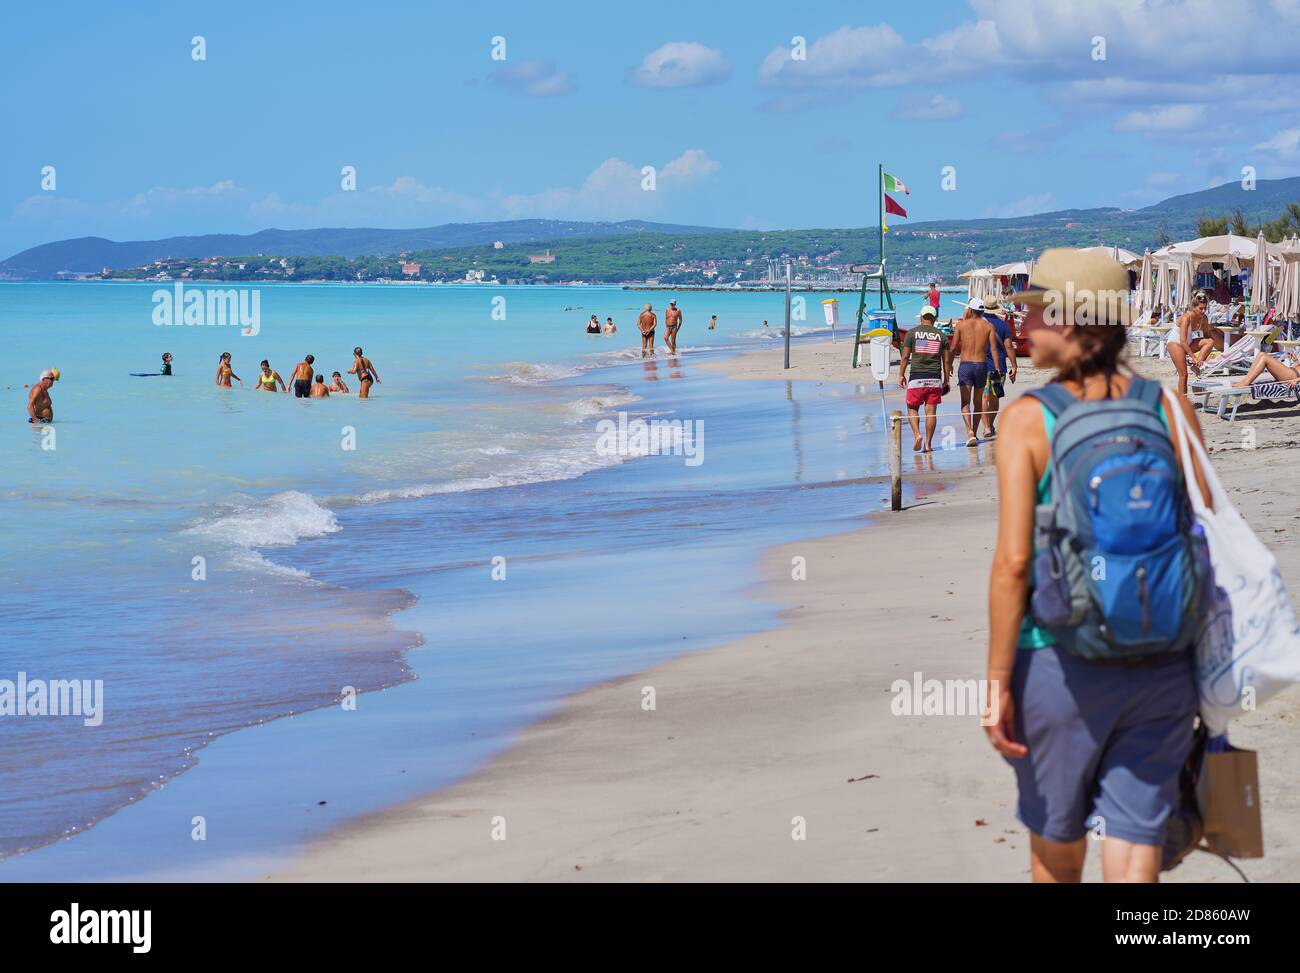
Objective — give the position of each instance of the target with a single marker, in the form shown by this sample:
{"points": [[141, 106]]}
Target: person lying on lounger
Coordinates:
{"points": [[1283, 370]]}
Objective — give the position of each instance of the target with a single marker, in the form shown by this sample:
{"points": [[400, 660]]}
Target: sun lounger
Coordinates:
{"points": [[1230, 397]]}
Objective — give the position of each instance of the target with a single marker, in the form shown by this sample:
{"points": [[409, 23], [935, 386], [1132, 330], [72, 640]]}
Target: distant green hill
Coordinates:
{"points": [[637, 251], [92, 254]]}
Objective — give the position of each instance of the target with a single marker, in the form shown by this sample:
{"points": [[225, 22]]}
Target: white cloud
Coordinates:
{"points": [[851, 57], [1287, 141], [682, 64], [613, 190], [1163, 119], [1025, 206], [540, 79], [936, 108]]}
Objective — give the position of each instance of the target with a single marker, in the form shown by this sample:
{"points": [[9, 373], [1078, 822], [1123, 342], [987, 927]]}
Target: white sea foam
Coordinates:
{"points": [[276, 521], [536, 373]]}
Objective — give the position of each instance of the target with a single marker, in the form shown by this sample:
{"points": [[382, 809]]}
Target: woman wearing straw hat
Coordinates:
{"points": [[1091, 738]]}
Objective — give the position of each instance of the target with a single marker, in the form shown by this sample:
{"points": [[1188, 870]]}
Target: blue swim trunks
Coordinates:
{"points": [[1106, 744], [975, 373]]}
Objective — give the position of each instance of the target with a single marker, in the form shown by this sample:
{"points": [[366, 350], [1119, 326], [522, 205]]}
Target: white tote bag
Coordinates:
{"points": [[1249, 646]]}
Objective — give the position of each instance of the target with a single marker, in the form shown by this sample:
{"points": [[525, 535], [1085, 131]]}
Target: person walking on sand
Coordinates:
{"points": [[923, 370], [269, 379], [364, 371], [302, 373], [1090, 735], [225, 372], [713, 323], [973, 340], [647, 323], [1002, 367], [1189, 341], [672, 324], [40, 407]]}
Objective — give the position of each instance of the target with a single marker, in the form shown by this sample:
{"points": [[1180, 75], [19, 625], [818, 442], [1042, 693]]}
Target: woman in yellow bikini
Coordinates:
{"points": [[269, 378], [225, 373]]}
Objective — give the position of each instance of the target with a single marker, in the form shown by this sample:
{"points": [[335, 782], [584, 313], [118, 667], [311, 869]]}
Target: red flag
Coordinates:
{"points": [[893, 207]]}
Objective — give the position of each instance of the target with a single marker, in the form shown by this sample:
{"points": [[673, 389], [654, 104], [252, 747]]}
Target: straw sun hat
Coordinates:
{"points": [[1077, 287]]}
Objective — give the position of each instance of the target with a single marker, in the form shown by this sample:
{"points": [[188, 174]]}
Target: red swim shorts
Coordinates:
{"points": [[924, 396]]}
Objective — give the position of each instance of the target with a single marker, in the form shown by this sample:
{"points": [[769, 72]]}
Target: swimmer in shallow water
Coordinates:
{"points": [[225, 372], [269, 378], [338, 385], [319, 390], [365, 372], [40, 408]]}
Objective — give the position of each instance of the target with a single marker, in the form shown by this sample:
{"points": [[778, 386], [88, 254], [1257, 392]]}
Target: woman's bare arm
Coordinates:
{"points": [[1022, 424]]}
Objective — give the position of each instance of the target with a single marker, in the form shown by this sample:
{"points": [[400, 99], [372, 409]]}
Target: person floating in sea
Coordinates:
{"points": [[1189, 344], [225, 372], [40, 407], [923, 370], [593, 325], [166, 363], [713, 323], [672, 324], [365, 372], [1001, 366], [765, 322], [610, 327], [269, 378], [973, 340], [302, 373], [320, 390], [647, 323], [338, 385]]}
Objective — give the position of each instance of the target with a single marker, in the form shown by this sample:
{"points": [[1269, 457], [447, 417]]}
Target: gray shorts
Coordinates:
{"points": [[1105, 742]]}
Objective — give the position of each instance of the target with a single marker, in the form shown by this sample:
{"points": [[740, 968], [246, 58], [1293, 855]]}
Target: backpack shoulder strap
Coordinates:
{"points": [[1146, 391], [1053, 397]]}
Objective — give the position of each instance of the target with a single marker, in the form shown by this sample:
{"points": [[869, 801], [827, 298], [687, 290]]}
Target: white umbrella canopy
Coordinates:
{"points": [[1227, 248], [1126, 257], [1259, 276], [1011, 269]]}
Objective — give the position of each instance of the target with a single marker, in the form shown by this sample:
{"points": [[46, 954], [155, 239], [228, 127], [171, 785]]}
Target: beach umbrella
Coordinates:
{"points": [[1144, 297], [1259, 276], [1184, 271], [1162, 282]]}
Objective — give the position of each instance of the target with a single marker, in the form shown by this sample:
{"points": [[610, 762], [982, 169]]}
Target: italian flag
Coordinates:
{"points": [[893, 185]]}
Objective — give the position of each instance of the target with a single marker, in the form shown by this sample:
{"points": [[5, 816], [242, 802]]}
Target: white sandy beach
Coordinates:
{"points": [[796, 722]]}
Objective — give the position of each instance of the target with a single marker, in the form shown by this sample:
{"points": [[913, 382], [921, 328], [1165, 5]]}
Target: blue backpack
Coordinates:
{"points": [[1118, 558]]}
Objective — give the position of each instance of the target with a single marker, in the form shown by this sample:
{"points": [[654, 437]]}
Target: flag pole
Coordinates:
{"points": [[880, 202]]}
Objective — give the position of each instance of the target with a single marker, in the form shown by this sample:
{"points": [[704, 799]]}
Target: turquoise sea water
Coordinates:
{"points": [[326, 567]]}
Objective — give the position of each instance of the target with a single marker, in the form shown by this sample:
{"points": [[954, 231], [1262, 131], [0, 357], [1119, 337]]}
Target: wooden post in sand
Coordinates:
{"points": [[896, 460]]}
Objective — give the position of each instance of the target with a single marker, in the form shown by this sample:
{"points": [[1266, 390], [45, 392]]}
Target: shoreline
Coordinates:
{"points": [[794, 723]]}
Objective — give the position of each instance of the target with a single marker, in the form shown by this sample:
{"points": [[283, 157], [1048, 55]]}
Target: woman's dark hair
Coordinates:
{"points": [[1101, 349], [266, 363]]}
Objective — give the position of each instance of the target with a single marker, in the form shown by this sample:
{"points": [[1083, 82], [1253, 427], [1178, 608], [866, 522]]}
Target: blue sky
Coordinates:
{"points": [[147, 142]]}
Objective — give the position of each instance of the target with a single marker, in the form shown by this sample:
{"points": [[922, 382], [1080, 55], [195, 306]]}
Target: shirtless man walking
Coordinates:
{"points": [[973, 339], [647, 322], [672, 324], [40, 408], [302, 373]]}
